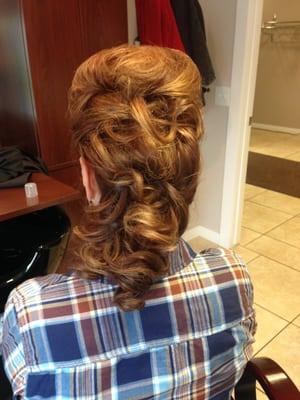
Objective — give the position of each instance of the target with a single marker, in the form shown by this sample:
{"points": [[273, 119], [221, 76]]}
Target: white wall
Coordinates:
{"points": [[205, 216], [220, 27]]}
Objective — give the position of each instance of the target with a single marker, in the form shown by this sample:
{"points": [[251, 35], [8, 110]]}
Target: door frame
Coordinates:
{"points": [[243, 80]]}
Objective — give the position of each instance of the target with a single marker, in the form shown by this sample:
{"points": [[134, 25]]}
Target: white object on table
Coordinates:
{"points": [[31, 190]]}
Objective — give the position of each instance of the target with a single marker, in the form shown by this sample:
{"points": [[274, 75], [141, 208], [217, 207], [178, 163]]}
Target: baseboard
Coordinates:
{"points": [[203, 232], [276, 128]]}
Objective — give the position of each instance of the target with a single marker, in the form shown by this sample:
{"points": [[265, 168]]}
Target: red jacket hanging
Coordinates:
{"points": [[157, 24]]}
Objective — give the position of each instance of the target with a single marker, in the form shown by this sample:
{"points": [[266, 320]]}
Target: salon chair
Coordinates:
{"points": [[272, 378], [31, 245]]}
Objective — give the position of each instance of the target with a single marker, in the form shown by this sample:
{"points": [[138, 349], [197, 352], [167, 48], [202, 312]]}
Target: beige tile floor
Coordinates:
{"points": [[270, 245], [277, 144]]}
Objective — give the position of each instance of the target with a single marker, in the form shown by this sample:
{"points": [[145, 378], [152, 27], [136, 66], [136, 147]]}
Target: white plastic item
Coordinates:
{"points": [[31, 190]]}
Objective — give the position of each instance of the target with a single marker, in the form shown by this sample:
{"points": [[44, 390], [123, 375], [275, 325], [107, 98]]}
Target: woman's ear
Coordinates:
{"points": [[92, 189]]}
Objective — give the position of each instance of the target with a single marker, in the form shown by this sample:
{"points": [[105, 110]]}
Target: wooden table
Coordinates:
{"points": [[51, 192]]}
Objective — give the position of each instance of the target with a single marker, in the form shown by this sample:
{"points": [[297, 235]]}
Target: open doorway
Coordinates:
{"points": [[272, 195], [270, 223], [274, 153], [250, 39]]}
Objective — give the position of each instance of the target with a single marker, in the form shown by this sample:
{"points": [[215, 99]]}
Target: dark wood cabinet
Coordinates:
{"points": [[41, 44]]}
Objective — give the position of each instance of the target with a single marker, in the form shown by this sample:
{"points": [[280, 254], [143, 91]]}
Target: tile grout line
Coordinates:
{"points": [[251, 259], [271, 229], [272, 312], [272, 208], [252, 197], [295, 319], [272, 259], [266, 234], [281, 241], [252, 240], [277, 226], [278, 333], [287, 323]]}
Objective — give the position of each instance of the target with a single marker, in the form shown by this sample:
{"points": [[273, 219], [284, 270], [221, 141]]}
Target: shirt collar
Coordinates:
{"points": [[179, 258], [182, 256]]}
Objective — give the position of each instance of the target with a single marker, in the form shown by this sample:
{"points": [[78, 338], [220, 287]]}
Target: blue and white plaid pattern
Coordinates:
{"points": [[64, 338]]}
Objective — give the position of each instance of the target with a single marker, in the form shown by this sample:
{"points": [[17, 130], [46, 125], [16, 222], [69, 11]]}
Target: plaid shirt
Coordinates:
{"points": [[64, 338]]}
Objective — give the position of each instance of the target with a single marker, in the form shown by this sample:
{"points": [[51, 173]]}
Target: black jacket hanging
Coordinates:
{"points": [[16, 167], [190, 23]]}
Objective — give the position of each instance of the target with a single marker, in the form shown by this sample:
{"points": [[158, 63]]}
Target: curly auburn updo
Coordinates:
{"points": [[135, 114]]}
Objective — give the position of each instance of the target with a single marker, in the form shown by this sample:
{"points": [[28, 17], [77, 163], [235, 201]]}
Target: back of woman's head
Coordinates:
{"points": [[136, 118]]}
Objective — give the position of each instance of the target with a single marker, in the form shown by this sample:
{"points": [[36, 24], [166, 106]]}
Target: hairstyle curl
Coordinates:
{"points": [[135, 114]]}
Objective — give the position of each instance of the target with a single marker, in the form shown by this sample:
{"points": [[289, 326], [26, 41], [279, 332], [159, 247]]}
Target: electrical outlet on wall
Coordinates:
{"points": [[222, 96]]}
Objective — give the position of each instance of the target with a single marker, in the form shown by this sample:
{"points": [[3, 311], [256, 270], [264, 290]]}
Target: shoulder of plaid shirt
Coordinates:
{"points": [[65, 339]]}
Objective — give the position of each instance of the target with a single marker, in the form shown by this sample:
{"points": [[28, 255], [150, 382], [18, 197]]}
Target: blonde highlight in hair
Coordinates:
{"points": [[135, 114]]}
